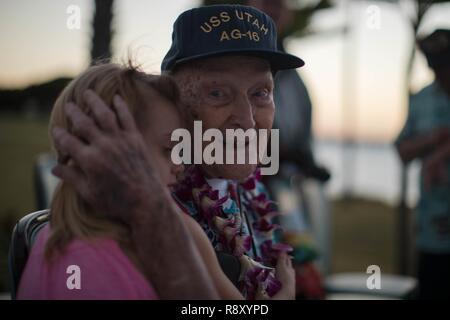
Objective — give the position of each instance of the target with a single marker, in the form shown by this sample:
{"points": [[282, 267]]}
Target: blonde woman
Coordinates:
{"points": [[90, 242]]}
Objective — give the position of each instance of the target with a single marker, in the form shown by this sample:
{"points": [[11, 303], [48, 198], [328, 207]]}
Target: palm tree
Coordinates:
{"points": [[102, 31]]}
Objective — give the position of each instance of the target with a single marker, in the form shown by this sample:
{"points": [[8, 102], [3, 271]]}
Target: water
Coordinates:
{"points": [[372, 171]]}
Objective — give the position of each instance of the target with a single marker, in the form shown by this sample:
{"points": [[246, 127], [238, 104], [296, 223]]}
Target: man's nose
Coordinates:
{"points": [[244, 113]]}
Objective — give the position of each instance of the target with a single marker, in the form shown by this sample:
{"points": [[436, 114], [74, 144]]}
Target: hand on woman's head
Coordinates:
{"points": [[112, 167], [113, 172]]}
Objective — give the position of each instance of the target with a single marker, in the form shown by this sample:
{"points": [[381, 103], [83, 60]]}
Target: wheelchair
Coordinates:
{"points": [[22, 240]]}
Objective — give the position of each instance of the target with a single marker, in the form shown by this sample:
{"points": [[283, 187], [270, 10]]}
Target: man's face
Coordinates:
{"points": [[229, 92]]}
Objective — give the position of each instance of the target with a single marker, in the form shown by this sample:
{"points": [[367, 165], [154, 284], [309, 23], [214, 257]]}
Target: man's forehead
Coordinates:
{"points": [[224, 64], [227, 62]]}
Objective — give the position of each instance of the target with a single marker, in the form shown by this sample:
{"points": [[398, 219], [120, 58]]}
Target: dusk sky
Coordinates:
{"points": [[36, 46]]}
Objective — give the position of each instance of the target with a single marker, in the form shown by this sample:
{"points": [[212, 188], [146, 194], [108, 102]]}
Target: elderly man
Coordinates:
{"points": [[223, 58], [225, 73]]}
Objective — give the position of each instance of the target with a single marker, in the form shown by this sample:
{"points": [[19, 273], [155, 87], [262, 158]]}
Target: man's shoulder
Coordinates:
{"points": [[425, 90], [428, 104], [425, 93]]}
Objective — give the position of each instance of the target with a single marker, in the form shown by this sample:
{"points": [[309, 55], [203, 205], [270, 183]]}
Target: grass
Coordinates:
{"points": [[362, 230], [363, 233], [20, 143], [21, 140]]}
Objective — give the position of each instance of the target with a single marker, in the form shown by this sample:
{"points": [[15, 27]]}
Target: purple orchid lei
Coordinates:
{"points": [[257, 279]]}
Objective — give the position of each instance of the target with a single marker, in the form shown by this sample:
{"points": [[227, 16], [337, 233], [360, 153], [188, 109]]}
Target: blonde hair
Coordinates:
{"points": [[71, 217]]}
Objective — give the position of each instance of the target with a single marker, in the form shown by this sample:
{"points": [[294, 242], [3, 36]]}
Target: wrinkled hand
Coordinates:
{"points": [[285, 273], [109, 162]]}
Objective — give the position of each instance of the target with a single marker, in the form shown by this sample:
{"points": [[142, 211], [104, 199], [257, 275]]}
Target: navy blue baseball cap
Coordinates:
{"points": [[226, 30]]}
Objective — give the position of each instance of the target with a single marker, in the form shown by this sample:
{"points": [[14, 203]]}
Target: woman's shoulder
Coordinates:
{"points": [[92, 250], [84, 269]]}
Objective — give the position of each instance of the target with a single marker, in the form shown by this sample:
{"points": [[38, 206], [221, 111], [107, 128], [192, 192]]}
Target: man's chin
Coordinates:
{"points": [[237, 172]]}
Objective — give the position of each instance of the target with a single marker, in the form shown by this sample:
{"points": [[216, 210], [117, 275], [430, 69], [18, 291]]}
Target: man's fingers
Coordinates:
{"points": [[126, 120], [67, 144], [289, 261], [104, 116], [83, 126], [72, 176], [281, 260]]}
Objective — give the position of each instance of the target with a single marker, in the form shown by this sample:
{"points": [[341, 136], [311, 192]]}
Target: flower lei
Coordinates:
{"points": [[257, 281]]}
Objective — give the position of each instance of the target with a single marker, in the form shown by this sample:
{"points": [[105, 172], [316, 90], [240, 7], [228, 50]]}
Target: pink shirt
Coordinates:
{"points": [[97, 270]]}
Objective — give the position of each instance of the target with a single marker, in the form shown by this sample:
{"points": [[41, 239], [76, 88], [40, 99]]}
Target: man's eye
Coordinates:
{"points": [[264, 93], [217, 94]]}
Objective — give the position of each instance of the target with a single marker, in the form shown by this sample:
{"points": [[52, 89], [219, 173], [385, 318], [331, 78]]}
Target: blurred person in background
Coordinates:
{"points": [[294, 108], [426, 136], [293, 118]]}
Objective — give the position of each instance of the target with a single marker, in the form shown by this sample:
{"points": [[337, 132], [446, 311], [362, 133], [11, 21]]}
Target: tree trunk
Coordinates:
{"points": [[102, 32]]}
